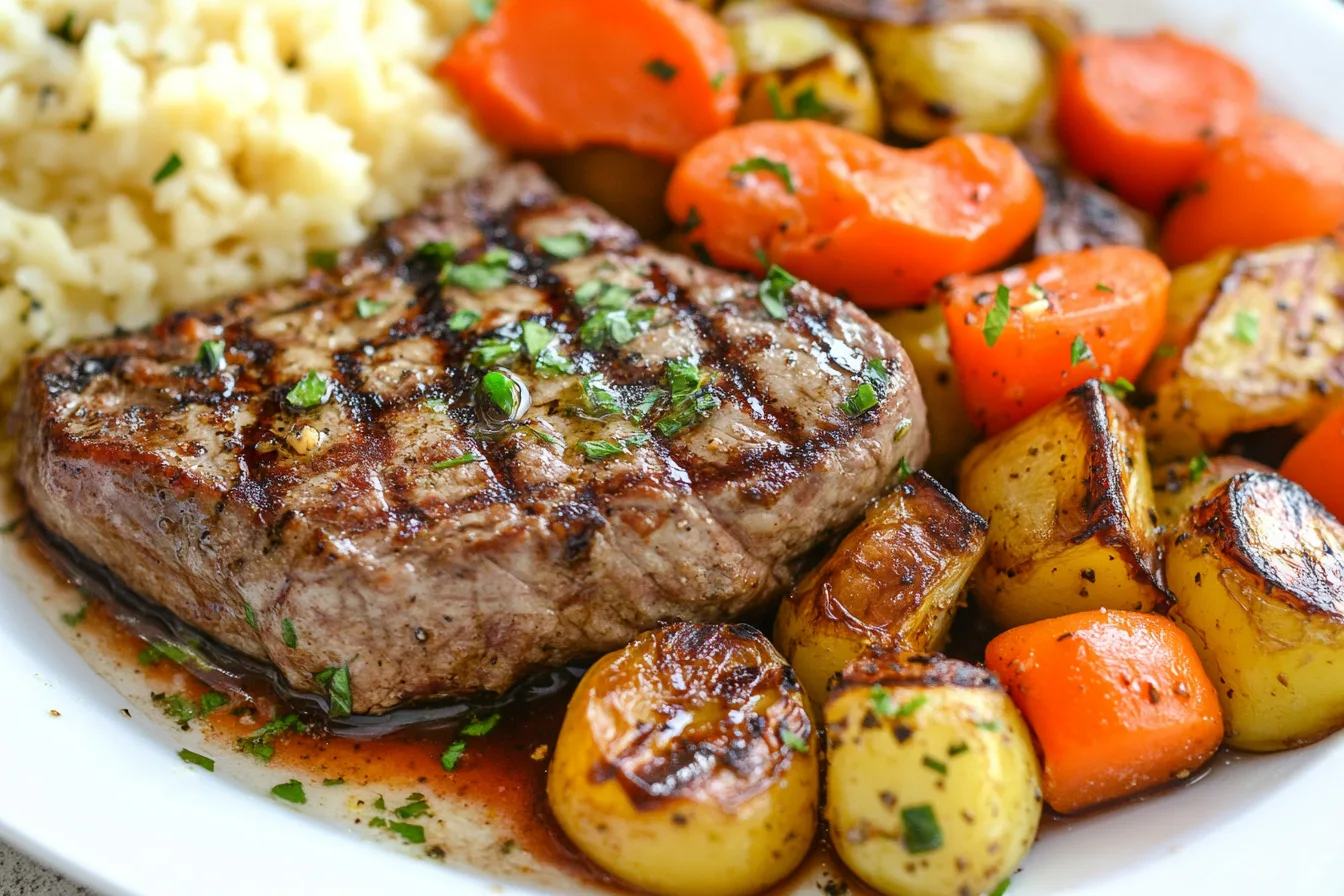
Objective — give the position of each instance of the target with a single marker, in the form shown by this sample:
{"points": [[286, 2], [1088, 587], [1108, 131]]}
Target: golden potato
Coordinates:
{"points": [[687, 763], [1258, 575], [1069, 499], [1252, 341], [1181, 485], [932, 783], [798, 65], [923, 334], [896, 579]]}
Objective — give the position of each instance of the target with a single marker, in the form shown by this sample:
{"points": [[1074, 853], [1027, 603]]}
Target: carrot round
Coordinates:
{"points": [[1275, 181], [1118, 702], [1139, 113], [1023, 337], [1314, 463], [653, 76], [876, 224]]}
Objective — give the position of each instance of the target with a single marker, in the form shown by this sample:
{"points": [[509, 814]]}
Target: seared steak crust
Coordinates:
{"points": [[210, 492]]}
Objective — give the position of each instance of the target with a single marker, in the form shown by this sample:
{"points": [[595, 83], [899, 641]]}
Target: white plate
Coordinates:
{"points": [[106, 801]]}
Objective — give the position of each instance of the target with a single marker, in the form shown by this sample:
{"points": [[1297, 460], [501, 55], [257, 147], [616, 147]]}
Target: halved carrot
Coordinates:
{"points": [[1140, 113], [1276, 180], [1315, 463], [876, 224], [653, 76], [1023, 337], [1118, 702]]}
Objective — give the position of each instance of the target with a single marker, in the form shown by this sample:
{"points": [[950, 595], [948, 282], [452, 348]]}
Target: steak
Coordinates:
{"points": [[499, 435]]}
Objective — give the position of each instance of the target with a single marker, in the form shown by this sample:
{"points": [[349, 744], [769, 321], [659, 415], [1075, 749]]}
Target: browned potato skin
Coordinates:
{"points": [[1080, 215], [1207, 384], [1068, 495], [1175, 491], [1258, 577], [673, 772], [896, 579]]}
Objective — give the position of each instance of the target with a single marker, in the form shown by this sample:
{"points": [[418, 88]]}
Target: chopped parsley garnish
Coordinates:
{"points": [[761, 163], [991, 725], [538, 340], [568, 245], [441, 254], [411, 833], [66, 31], [640, 409], [903, 471], [288, 634], [937, 765], [601, 399], [377, 822], [466, 457], [366, 307], [482, 10], [717, 81], [793, 740], [958, 749], [601, 448], [437, 405], [536, 337], [481, 727], [159, 650], [1121, 388], [774, 291], [692, 395], [75, 618], [490, 272], [462, 319], [701, 253], [204, 762], [323, 259], [211, 355], [211, 701], [1199, 464], [661, 69], [589, 291], [453, 755], [170, 166], [805, 105], [1246, 328], [874, 373], [258, 743], [494, 351], [336, 680], [332, 782], [291, 792], [1164, 351], [413, 809], [250, 616], [1102, 287], [1080, 351], [997, 318], [615, 327], [921, 831], [861, 400], [379, 804], [883, 705], [502, 391], [311, 391], [1001, 888], [693, 220]]}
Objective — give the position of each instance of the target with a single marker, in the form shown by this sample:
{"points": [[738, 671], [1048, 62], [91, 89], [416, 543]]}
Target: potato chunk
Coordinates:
{"points": [[1258, 575], [687, 763], [896, 579], [1069, 499], [798, 65], [932, 783], [1252, 341], [1181, 485]]}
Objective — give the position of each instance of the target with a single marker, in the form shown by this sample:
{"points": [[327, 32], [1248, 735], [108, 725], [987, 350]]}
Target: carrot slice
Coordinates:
{"points": [[1071, 317], [1314, 463], [653, 76], [1118, 702], [1275, 181], [876, 224], [1139, 113]]}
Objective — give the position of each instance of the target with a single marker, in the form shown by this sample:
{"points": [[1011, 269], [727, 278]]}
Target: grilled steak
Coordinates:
{"points": [[349, 480]]}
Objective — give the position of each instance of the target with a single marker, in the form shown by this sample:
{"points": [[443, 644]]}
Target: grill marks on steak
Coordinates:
{"points": [[194, 488]]}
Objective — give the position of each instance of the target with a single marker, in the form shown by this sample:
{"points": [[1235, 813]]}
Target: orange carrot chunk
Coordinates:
{"points": [[1118, 702], [1275, 181], [1023, 337], [876, 224], [652, 76], [1139, 113], [1315, 463]]}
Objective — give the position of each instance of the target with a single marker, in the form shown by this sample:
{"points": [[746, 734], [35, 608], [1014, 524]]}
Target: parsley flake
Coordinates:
{"points": [[860, 401], [204, 762], [311, 391], [466, 457], [462, 319], [774, 291], [997, 318], [717, 81], [661, 69], [502, 391], [1199, 465], [482, 10], [411, 833], [761, 163], [937, 765], [480, 727], [793, 740], [597, 450], [250, 616], [323, 259], [366, 307], [170, 166], [1080, 351], [568, 245], [332, 782], [211, 355], [693, 220], [1120, 389], [66, 31], [921, 831], [883, 705], [691, 393], [1102, 287], [291, 792], [288, 634], [1001, 888], [75, 618], [1246, 328], [903, 471], [336, 679], [453, 755], [413, 809], [259, 742]]}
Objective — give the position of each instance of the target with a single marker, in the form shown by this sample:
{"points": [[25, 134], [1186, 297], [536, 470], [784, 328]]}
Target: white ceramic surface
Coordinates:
{"points": [[107, 801]]}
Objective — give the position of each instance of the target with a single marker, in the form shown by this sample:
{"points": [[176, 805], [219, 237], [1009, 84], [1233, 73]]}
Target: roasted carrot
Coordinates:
{"points": [[1139, 113], [1315, 463], [653, 76], [1276, 180], [1023, 337], [877, 224], [1118, 702]]}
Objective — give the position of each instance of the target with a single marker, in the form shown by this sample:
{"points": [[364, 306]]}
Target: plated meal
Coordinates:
{"points": [[783, 445]]}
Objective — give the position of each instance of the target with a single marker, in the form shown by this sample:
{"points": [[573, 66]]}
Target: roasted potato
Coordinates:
{"points": [[798, 65], [1181, 485], [1258, 575], [1079, 215], [896, 579], [1252, 341], [1069, 499], [932, 784], [687, 763], [923, 334]]}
